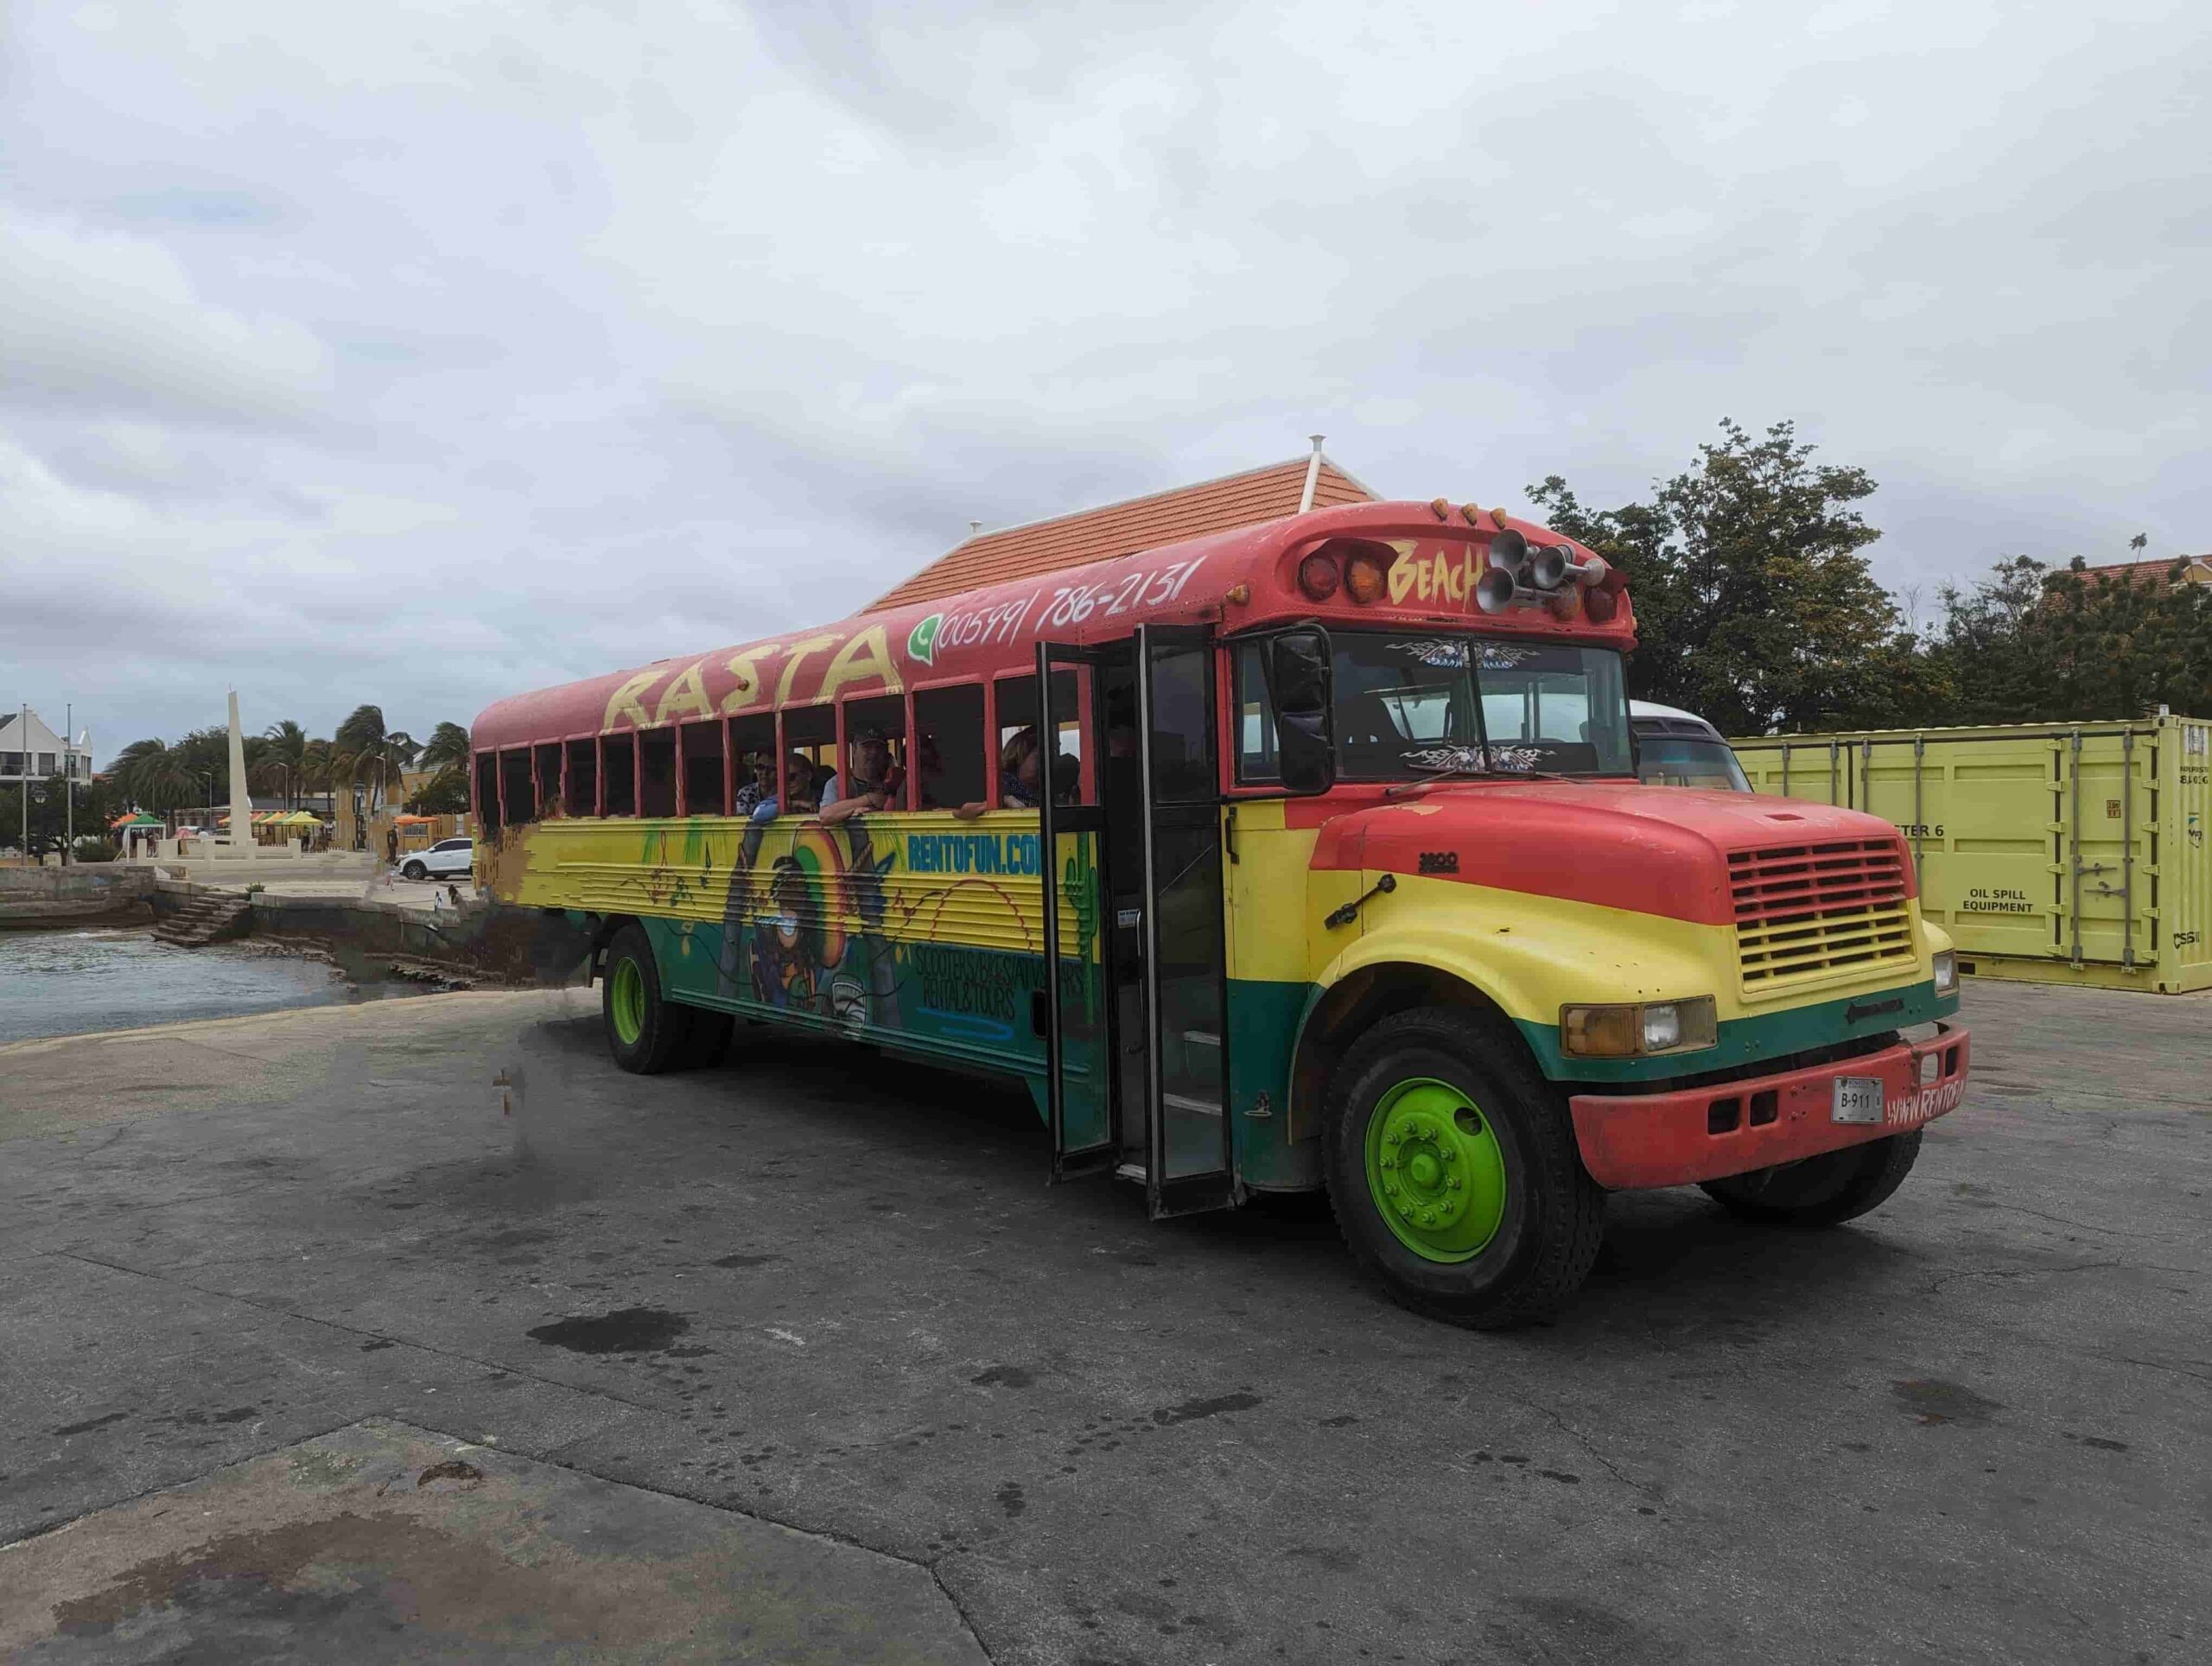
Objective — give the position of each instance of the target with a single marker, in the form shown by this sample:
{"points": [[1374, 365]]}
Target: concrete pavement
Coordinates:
{"points": [[824, 1291]]}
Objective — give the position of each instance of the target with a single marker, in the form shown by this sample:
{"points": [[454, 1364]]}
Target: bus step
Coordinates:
{"points": [[1130, 1172], [1194, 1107], [1201, 1038]]}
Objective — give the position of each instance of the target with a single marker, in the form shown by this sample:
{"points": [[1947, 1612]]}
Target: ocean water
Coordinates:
{"points": [[65, 981]]}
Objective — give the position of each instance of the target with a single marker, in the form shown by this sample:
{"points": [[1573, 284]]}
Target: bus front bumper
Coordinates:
{"points": [[1631, 1140]]}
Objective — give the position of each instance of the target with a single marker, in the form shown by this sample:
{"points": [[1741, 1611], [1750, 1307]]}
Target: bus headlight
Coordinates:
{"points": [[1626, 1032], [1947, 971]]}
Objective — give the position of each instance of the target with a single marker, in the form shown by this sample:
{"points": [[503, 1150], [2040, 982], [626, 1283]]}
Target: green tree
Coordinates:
{"points": [[1753, 605], [370, 756], [285, 759], [52, 816], [2030, 644], [156, 776], [446, 752], [445, 793]]}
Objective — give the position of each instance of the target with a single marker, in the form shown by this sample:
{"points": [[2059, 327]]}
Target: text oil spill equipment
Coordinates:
{"points": [[2056, 852]]}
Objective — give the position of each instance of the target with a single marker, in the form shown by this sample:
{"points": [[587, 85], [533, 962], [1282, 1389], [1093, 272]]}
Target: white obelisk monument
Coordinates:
{"points": [[242, 839]]}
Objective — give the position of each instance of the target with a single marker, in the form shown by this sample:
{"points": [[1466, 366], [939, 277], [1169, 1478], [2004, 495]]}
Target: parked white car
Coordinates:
{"points": [[446, 857]]}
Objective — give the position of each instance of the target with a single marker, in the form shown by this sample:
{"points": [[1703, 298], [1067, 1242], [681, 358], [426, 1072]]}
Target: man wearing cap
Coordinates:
{"points": [[875, 779]]}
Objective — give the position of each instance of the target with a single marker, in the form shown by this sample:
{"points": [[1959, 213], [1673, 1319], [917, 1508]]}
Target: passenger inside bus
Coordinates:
{"points": [[798, 769], [1018, 768], [875, 779]]}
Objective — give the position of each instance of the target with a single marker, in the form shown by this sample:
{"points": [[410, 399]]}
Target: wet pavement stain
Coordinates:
{"points": [[745, 1261], [86, 1427], [1192, 1410], [627, 1330], [1011, 1499], [1009, 1376], [1932, 1400]]}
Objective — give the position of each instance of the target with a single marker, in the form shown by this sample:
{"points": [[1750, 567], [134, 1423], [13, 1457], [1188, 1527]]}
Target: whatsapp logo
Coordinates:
{"points": [[921, 641]]}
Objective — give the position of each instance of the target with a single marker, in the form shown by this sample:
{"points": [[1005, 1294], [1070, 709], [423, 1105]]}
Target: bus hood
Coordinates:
{"points": [[1649, 850]]}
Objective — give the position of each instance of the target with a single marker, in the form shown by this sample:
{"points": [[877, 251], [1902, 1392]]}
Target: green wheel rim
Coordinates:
{"points": [[1435, 1170], [629, 1003]]}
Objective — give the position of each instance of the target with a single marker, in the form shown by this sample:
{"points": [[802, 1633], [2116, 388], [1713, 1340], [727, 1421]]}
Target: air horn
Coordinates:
{"points": [[1521, 577]]}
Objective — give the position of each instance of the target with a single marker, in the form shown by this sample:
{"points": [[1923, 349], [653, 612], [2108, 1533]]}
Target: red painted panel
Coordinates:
{"points": [[994, 629], [1667, 1139], [1651, 850]]}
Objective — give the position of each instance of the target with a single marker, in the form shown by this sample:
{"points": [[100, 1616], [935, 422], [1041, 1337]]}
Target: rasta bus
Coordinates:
{"points": [[1308, 855]]}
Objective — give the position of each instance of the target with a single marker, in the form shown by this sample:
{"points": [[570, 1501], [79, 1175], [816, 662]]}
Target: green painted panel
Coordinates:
{"points": [[1746, 1042]]}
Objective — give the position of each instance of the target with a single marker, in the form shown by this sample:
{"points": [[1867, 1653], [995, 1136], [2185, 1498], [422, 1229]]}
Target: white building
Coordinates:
{"points": [[43, 754]]}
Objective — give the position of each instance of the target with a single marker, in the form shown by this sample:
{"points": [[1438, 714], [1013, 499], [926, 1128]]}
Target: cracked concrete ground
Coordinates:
{"points": [[832, 1292]]}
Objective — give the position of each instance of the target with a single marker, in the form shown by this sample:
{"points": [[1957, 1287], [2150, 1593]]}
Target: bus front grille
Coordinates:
{"points": [[1817, 910]]}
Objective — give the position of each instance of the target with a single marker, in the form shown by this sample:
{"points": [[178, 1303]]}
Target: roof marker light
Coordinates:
{"points": [[1367, 573], [1318, 576]]}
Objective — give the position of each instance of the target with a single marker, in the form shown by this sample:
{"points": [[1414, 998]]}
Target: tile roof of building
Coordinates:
{"points": [[2153, 575], [1121, 529]]}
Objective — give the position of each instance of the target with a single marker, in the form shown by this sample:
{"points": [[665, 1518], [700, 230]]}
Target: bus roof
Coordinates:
{"points": [[1239, 580]]}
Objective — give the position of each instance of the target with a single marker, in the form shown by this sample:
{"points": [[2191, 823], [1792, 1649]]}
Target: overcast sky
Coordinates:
{"points": [[425, 354]]}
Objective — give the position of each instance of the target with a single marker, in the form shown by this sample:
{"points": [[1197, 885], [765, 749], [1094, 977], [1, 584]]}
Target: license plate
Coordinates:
{"points": [[1858, 1099]]}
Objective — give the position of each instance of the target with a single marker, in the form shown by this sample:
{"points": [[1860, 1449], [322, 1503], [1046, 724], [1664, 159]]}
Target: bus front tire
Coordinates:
{"points": [[1823, 1191], [646, 1033], [1453, 1170]]}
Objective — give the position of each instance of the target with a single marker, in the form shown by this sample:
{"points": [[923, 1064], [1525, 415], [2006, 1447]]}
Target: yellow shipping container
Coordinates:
{"points": [[2061, 853]]}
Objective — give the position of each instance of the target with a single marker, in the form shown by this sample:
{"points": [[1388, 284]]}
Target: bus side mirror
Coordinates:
{"points": [[1300, 683]]}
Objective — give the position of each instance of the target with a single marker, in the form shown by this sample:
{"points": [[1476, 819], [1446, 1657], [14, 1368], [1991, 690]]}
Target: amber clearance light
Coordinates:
{"points": [[1367, 575]]}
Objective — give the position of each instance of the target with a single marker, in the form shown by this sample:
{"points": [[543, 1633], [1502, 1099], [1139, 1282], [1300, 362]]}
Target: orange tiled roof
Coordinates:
{"points": [[2150, 574], [1122, 529]]}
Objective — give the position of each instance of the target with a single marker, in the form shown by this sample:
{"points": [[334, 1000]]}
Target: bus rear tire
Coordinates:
{"points": [[1453, 1170], [646, 1033], [1823, 1191]]}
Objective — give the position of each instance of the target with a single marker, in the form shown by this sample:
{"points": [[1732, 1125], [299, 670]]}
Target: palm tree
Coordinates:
{"points": [[446, 749], [319, 769], [371, 755], [447, 754], [288, 756], [154, 775]]}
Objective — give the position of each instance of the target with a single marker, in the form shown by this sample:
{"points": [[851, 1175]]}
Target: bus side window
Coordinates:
{"points": [[699, 747], [1256, 762], [487, 793], [883, 715], [656, 772], [550, 802], [948, 758], [618, 759], [580, 787], [1018, 723], [514, 778], [751, 740], [810, 734]]}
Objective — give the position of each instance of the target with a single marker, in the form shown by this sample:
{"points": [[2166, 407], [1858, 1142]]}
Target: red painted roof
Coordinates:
{"points": [[1121, 529], [1240, 579], [2148, 575]]}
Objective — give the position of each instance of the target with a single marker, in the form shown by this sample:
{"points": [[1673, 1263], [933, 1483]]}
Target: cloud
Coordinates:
{"points": [[108, 321], [420, 355]]}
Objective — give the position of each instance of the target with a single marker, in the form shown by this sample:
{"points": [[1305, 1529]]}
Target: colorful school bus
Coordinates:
{"points": [[1309, 856]]}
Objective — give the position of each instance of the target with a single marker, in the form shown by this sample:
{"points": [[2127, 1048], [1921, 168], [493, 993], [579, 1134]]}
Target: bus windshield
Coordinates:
{"points": [[1411, 705]]}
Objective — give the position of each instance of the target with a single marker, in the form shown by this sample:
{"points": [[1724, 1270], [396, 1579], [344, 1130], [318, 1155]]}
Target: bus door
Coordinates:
{"points": [[1187, 1165], [1078, 1016]]}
